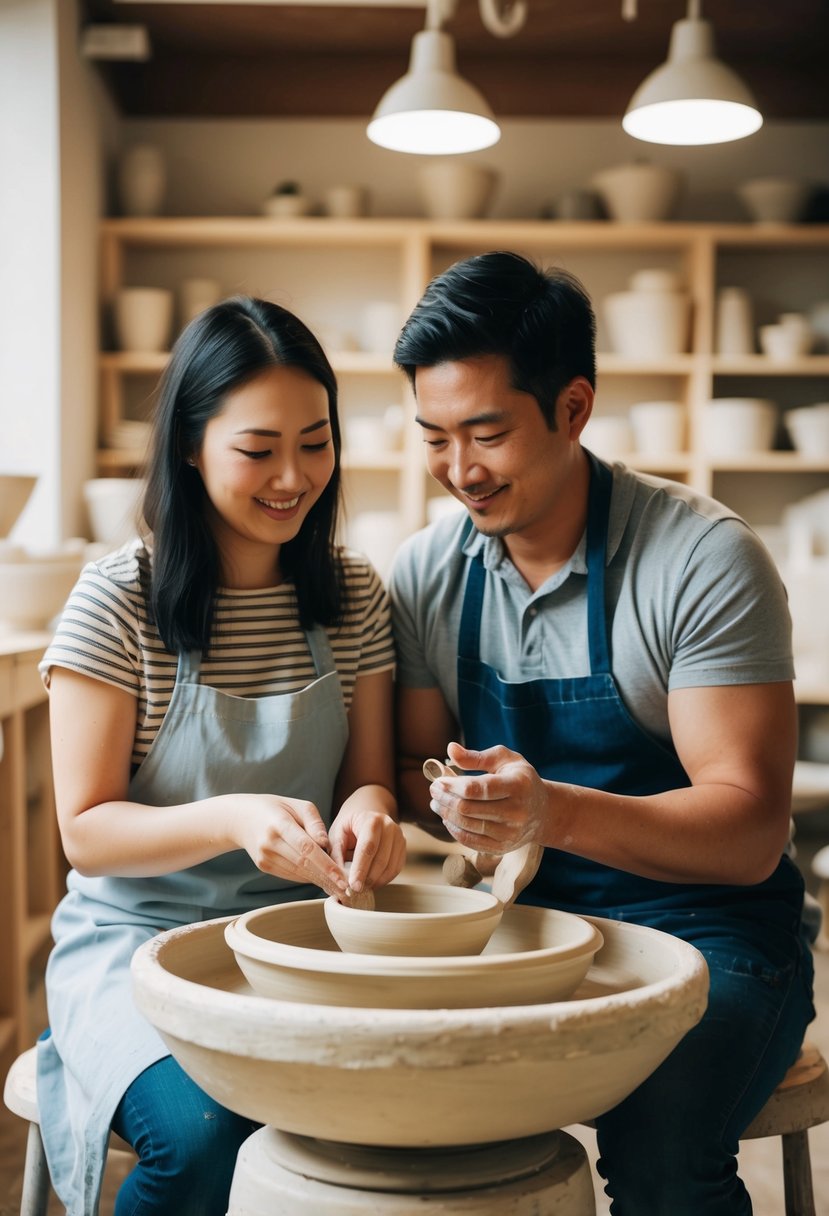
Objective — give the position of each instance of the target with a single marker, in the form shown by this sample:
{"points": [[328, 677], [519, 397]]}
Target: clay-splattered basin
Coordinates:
{"points": [[419, 1077], [534, 955], [424, 919]]}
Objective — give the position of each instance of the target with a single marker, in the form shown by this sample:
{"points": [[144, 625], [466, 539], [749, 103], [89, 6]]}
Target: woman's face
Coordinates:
{"points": [[265, 460]]}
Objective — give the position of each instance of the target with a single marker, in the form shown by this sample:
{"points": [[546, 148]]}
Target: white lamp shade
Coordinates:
{"points": [[693, 98], [431, 110]]}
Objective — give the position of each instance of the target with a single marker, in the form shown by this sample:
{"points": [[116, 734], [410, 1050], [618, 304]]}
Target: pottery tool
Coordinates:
{"points": [[512, 872]]}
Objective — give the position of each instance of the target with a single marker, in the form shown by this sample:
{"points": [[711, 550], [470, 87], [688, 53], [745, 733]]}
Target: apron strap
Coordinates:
{"points": [[321, 651], [598, 515], [189, 666]]}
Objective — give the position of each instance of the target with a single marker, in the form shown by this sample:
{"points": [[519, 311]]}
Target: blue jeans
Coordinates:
{"points": [[186, 1145], [671, 1146]]}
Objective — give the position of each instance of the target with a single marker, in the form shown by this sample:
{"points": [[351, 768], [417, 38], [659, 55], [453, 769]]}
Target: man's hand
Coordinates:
{"points": [[496, 812]]}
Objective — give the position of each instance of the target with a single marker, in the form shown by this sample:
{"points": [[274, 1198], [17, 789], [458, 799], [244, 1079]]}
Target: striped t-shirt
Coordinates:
{"points": [[257, 647]]}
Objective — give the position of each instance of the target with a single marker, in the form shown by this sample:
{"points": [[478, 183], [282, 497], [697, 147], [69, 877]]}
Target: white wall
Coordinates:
{"points": [[29, 222], [54, 121], [228, 167]]}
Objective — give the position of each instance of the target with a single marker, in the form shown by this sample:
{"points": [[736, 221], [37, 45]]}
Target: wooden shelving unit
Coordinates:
{"points": [[327, 270], [32, 869]]}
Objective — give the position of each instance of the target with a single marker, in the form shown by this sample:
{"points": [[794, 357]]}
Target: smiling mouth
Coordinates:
{"points": [[275, 504], [479, 501]]}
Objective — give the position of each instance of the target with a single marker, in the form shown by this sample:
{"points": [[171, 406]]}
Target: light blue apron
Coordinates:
{"points": [[209, 743]]}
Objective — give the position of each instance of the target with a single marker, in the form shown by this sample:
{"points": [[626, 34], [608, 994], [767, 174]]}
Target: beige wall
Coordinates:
{"points": [[228, 167]]}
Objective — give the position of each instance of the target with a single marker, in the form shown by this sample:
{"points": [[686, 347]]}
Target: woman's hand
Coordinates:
{"points": [[498, 811], [287, 837], [371, 840]]}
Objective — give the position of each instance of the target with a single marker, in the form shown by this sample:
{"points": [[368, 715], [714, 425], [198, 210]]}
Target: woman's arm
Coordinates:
{"points": [[365, 829], [92, 730]]}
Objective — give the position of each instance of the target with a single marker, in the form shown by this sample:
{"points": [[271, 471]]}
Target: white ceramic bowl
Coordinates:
{"points": [[453, 189], [638, 192], [535, 954], [14, 494], [609, 437], [808, 427], [775, 200], [426, 920], [658, 426], [286, 206], [784, 342], [113, 504], [737, 426], [647, 324], [33, 591], [428, 1076]]}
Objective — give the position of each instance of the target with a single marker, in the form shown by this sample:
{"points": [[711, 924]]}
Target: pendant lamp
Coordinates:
{"points": [[693, 98], [432, 110]]}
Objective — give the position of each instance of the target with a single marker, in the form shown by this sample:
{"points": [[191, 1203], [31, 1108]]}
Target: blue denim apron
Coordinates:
{"points": [[578, 730], [209, 743]]}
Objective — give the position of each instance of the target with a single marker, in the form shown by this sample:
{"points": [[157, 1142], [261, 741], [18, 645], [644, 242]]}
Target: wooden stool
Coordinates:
{"points": [[20, 1096], [800, 1101]]}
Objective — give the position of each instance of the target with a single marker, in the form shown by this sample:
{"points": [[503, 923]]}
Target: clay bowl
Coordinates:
{"points": [[421, 1077], [424, 920], [287, 952]]}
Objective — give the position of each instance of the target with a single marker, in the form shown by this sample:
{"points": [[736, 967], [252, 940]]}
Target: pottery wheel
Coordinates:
{"points": [[413, 1171]]}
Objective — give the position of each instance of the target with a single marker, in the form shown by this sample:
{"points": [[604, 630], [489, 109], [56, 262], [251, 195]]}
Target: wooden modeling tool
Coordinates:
{"points": [[364, 900], [510, 873]]}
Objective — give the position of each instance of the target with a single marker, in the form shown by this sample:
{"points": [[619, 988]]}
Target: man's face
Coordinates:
{"points": [[489, 445]]}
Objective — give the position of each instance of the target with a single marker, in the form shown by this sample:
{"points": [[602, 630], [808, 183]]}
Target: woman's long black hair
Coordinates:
{"points": [[219, 351]]}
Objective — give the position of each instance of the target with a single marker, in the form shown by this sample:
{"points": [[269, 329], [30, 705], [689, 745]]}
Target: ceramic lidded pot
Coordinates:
{"points": [[651, 319], [453, 189], [639, 192]]}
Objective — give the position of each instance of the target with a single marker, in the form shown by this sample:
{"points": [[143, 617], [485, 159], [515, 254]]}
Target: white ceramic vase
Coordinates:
{"points": [[735, 322], [142, 180]]}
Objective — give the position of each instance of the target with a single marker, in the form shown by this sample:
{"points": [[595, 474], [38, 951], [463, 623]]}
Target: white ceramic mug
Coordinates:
{"points": [[142, 180], [143, 318]]}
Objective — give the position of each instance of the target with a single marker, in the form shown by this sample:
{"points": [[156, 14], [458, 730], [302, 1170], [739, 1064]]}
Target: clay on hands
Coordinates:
{"points": [[512, 872]]}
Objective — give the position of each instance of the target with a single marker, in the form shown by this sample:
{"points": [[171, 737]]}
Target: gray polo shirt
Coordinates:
{"points": [[695, 600]]}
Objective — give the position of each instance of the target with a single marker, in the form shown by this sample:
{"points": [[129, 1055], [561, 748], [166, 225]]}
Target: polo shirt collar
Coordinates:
{"points": [[494, 552]]}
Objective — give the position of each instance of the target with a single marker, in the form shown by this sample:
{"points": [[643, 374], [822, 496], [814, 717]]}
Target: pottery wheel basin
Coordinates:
{"points": [[421, 1077], [534, 955]]}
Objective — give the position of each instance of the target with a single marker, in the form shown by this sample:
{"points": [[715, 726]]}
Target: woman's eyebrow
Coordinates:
{"points": [[254, 430]]}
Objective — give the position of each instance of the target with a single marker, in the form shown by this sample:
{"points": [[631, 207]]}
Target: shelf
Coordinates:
{"points": [[811, 694], [619, 365], [667, 462], [153, 363], [767, 462], [761, 365]]}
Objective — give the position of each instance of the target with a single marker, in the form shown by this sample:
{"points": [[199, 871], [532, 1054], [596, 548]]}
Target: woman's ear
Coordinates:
{"points": [[577, 405]]}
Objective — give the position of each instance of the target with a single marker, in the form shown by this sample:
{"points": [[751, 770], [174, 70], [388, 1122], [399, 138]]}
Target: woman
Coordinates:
{"points": [[215, 694]]}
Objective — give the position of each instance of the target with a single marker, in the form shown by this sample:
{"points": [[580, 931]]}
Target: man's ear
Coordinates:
{"points": [[576, 401]]}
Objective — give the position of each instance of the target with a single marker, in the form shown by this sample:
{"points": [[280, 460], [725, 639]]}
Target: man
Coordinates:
{"points": [[614, 652]]}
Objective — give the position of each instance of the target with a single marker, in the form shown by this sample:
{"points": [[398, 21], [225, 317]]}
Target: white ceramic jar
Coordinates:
{"points": [[651, 320]]}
